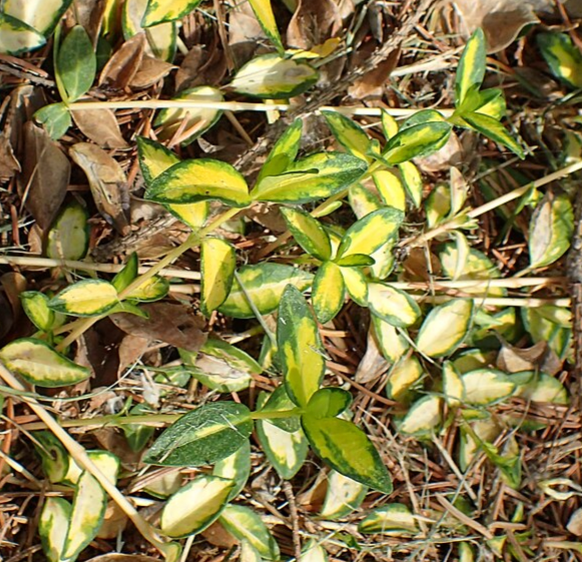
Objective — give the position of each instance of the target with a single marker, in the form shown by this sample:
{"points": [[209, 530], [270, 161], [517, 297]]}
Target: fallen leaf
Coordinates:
{"points": [[373, 83], [171, 323], [449, 155], [245, 34], [130, 350], [150, 72], [114, 522], [8, 163], [100, 126], [574, 525], [373, 364], [202, 66], [313, 23], [89, 14], [45, 177], [514, 359], [107, 182], [125, 63], [217, 535]]}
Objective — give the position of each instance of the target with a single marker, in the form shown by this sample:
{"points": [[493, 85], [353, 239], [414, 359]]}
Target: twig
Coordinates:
{"points": [[294, 519]]}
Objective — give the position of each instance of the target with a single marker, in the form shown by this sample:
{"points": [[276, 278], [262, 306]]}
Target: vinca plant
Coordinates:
{"points": [[380, 182]]}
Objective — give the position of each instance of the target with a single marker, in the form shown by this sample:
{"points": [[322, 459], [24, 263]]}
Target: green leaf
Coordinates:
{"points": [[390, 188], [55, 119], [127, 275], [412, 181], [91, 297], [264, 284], [245, 525], [347, 449], [197, 180], [206, 435], [76, 64], [17, 37], [551, 229], [285, 450], [54, 457], [41, 15], [356, 284], [235, 467], [195, 506], [274, 77], [328, 292], [308, 232], [167, 10], [217, 265], [52, 527], [366, 235], [494, 130], [154, 158], [484, 387], [416, 141], [315, 177], [68, 236], [389, 125], [392, 305], [453, 386], [343, 495], [264, 13], [422, 116], [391, 519], [562, 56], [328, 403], [392, 344], [87, 515], [35, 305], [423, 417], [221, 366], [492, 103], [349, 134], [300, 348], [283, 152], [471, 69], [41, 365], [456, 315], [356, 260], [279, 401], [153, 289], [197, 120], [403, 376]]}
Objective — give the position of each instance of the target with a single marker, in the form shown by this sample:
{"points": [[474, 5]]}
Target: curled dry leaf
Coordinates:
{"points": [[125, 63], [373, 83], [167, 322], [313, 23], [373, 363], [514, 359], [245, 35], [151, 71], [107, 182], [202, 66], [9, 165], [45, 177], [100, 125]]}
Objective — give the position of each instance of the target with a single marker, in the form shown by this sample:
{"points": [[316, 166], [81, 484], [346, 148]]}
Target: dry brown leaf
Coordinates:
{"points": [[89, 14], [130, 350], [11, 285], [313, 23], [217, 535], [45, 177], [440, 161], [150, 72], [125, 63], [171, 323], [100, 125], [107, 182], [246, 37], [202, 66], [514, 359], [9, 165], [111, 440], [114, 522], [372, 83]]}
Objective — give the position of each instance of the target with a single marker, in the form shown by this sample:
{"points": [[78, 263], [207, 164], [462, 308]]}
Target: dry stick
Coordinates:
{"points": [[288, 489], [83, 460]]}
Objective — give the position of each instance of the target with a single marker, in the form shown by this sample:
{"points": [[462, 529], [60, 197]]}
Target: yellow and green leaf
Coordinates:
{"points": [[308, 232], [389, 125], [315, 177], [68, 236], [424, 416], [191, 181], [167, 10], [41, 365], [196, 506], [416, 141], [356, 285], [274, 77], [53, 525], [562, 56], [235, 467], [362, 200], [35, 305], [328, 291], [154, 289], [392, 344], [17, 37], [403, 376], [484, 387], [349, 134], [300, 349], [392, 305], [359, 461], [127, 275], [494, 130], [390, 188], [343, 495], [41, 15], [328, 402], [412, 181], [456, 315], [366, 235], [245, 525], [283, 152], [453, 386], [471, 69], [263, 284], [391, 519], [91, 297], [264, 13], [217, 265]]}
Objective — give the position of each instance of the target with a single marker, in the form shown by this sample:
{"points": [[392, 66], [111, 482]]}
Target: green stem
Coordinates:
{"points": [[272, 414]]}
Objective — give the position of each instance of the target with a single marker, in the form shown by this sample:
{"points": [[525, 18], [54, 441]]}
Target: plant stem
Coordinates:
{"points": [[78, 329], [276, 414], [84, 461], [237, 106]]}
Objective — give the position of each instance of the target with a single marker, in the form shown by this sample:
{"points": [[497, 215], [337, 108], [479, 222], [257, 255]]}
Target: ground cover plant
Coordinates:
{"points": [[289, 296]]}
